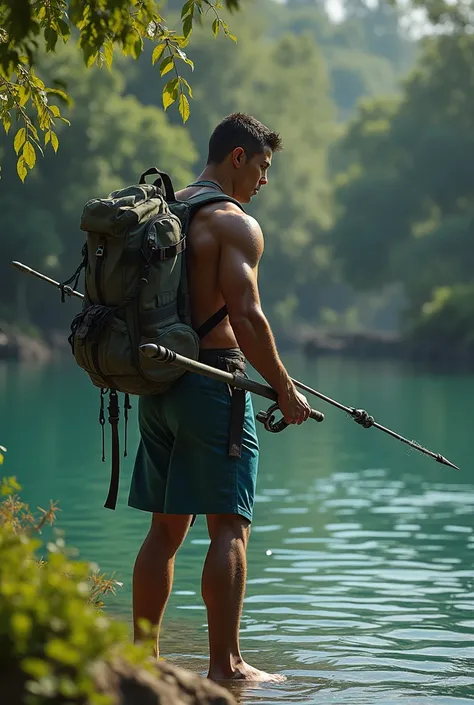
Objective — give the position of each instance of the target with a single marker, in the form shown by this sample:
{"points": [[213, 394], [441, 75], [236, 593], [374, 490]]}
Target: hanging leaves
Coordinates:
{"points": [[103, 27]]}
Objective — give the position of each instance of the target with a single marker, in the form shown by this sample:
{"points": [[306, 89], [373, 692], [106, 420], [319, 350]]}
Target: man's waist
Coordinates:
{"points": [[231, 359]]}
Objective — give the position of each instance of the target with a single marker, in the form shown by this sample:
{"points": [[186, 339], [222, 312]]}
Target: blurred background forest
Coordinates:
{"points": [[368, 213]]}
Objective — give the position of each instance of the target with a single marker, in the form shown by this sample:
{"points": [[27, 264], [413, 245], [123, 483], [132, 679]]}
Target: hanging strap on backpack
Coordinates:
{"points": [[113, 409]]}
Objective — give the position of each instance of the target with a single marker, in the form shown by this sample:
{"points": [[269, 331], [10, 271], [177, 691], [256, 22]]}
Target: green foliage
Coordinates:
{"points": [[405, 196], [288, 89], [447, 320], [111, 140], [299, 73], [28, 28], [365, 54], [51, 631]]}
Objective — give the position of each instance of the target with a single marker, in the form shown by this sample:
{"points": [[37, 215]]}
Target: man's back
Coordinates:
{"points": [[204, 244]]}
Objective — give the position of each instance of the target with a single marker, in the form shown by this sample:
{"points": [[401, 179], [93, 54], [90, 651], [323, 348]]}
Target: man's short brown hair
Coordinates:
{"points": [[240, 130]]}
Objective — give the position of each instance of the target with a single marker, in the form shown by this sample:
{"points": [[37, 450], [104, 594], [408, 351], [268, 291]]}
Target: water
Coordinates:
{"points": [[361, 583]]}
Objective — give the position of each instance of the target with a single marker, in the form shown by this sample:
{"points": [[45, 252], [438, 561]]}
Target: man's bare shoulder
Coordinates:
{"points": [[227, 219]]}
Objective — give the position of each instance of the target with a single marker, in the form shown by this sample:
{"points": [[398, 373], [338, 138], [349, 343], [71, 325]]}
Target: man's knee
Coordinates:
{"points": [[231, 525], [170, 529]]}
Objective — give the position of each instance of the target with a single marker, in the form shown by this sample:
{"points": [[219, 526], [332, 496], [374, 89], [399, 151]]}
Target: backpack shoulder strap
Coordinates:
{"points": [[211, 184], [203, 199], [195, 202]]}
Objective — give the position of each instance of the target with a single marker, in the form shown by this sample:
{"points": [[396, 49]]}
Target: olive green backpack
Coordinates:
{"points": [[135, 292]]}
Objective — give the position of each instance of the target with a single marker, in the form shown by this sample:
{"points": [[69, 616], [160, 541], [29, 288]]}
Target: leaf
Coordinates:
{"points": [[188, 26], [51, 37], [54, 141], [61, 94], [7, 121], [215, 27], [29, 154], [91, 58], [170, 93], [47, 137], [23, 95], [64, 30], [169, 98], [33, 131], [225, 27], [188, 7], [54, 110], [20, 139], [166, 65], [184, 108], [21, 169], [184, 58], [183, 81], [109, 53], [158, 52], [137, 48], [181, 41]]}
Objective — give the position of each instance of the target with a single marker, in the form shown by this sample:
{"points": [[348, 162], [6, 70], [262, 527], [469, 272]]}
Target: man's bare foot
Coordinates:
{"points": [[243, 672]]}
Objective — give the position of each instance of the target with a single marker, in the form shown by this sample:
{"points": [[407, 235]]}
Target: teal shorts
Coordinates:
{"points": [[183, 464]]}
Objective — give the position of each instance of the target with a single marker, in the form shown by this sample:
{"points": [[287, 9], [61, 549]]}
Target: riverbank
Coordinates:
{"points": [[45, 346]]}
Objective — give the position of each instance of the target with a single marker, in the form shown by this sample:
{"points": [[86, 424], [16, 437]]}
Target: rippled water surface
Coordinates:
{"points": [[361, 582]]}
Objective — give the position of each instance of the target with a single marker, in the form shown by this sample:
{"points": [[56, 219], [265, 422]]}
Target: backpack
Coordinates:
{"points": [[135, 292]]}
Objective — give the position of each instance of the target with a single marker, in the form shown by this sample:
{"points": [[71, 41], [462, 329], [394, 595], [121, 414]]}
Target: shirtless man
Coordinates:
{"points": [[190, 460]]}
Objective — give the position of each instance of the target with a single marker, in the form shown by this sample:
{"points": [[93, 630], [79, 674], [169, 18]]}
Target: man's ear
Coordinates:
{"points": [[238, 157]]}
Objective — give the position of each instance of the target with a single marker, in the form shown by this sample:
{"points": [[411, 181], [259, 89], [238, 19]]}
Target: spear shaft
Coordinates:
{"points": [[28, 270], [360, 416], [363, 419]]}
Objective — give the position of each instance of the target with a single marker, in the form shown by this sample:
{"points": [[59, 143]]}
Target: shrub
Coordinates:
{"points": [[51, 630]]}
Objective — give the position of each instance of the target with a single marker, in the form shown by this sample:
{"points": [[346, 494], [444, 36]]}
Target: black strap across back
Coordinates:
{"points": [[198, 200]]}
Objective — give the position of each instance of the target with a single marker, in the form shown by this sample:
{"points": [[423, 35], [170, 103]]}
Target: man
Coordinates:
{"points": [[190, 460]]}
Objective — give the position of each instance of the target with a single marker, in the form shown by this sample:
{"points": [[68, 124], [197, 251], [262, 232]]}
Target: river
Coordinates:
{"points": [[361, 579]]}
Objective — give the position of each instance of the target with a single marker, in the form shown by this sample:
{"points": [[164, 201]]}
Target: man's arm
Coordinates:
{"points": [[241, 243]]}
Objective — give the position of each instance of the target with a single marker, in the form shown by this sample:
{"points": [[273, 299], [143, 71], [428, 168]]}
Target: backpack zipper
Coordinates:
{"points": [[99, 253]]}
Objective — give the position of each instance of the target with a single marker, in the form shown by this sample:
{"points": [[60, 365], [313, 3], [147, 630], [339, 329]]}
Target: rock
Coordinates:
{"points": [[132, 685], [369, 344], [15, 345]]}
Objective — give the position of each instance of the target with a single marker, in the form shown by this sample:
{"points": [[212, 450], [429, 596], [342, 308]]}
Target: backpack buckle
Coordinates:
{"points": [[100, 251]]}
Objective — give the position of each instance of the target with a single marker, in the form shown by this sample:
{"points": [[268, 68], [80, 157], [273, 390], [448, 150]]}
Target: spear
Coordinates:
{"points": [[360, 416], [67, 289], [158, 352]]}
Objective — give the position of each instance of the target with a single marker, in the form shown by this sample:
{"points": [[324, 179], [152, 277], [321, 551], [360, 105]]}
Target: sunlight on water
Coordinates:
{"points": [[361, 582]]}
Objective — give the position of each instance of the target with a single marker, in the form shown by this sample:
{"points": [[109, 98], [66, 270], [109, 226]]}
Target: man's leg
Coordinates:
{"points": [[223, 588], [154, 568]]}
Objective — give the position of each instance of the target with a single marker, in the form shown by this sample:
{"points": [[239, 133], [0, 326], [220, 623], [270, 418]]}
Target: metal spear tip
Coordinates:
{"points": [[444, 461], [20, 266]]}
